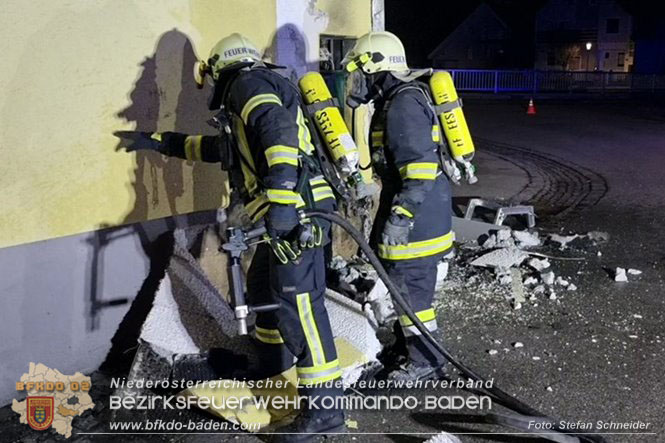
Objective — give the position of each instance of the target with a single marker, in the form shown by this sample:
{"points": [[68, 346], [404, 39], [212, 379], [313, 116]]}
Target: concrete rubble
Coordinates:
{"points": [[620, 275], [443, 437], [501, 258]]}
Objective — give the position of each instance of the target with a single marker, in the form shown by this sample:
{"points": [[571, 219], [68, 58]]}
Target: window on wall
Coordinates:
{"points": [[612, 26], [621, 57], [332, 49]]}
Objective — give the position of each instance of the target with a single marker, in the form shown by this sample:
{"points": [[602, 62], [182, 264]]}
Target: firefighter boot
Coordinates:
{"points": [[321, 416]]}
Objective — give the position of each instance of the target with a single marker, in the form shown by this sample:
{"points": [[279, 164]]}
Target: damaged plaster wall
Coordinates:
{"points": [[300, 23]]}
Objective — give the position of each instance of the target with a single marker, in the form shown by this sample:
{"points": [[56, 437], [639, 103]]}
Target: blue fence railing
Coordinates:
{"points": [[498, 81]]}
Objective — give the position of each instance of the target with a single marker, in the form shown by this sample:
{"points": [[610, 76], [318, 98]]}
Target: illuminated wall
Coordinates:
{"points": [[72, 73], [75, 71]]}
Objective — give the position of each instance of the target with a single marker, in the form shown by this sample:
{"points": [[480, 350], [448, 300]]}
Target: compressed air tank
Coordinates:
{"points": [[328, 120], [452, 120]]}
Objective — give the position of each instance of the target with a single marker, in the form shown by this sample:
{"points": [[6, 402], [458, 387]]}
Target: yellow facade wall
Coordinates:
{"points": [[347, 17], [75, 71]]}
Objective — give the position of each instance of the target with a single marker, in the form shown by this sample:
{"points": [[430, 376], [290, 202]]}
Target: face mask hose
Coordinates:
{"points": [[528, 414]]}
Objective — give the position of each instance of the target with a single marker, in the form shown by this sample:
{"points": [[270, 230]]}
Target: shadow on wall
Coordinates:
{"points": [[164, 98], [289, 49]]}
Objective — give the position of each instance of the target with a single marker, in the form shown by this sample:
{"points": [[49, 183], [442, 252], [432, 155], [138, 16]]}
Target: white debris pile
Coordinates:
{"points": [[354, 277], [621, 275], [521, 266]]}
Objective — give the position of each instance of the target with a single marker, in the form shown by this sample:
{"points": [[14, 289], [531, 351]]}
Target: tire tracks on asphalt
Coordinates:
{"points": [[555, 187]]}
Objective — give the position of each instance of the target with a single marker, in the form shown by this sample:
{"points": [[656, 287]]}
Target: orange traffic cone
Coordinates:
{"points": [[531, 109]]}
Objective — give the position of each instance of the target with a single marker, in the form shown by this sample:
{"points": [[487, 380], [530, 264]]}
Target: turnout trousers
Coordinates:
{"points": [[300, 328]]}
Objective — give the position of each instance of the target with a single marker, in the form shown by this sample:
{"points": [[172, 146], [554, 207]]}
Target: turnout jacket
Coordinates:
{"points": [[406, 139], [274, 147]]}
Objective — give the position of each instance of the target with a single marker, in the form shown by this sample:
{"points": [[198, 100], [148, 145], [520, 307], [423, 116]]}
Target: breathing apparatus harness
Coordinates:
{"points": [[446, 163]]}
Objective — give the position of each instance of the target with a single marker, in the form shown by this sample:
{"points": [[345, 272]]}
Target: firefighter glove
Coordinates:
{"points": [[310, 235], [285, 251], [396, 230], [132, 141]]}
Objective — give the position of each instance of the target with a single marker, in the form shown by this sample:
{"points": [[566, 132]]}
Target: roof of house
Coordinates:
{"points": [[483, 8]]}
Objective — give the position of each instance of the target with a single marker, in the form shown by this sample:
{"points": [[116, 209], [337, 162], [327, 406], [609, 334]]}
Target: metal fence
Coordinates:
{"points": [[498, 81]]}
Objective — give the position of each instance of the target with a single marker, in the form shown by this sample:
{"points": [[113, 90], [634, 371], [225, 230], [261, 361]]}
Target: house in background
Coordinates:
{"points": [[584, 35], [481, 41]]}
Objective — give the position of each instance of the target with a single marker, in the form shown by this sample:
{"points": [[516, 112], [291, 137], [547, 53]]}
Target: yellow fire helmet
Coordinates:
{"points": [[376, 52], [229, 50]]}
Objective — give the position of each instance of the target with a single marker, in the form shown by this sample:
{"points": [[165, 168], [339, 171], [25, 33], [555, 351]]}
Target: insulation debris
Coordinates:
{"points": [[547, 278], [517, 288], [561, 282], [620, 275], [501, 258], [539, 264], [562, 240], [518, 344], [632, 271], [443, 437], [598, 236], [530, 281], [441, 274], [525, 238]]}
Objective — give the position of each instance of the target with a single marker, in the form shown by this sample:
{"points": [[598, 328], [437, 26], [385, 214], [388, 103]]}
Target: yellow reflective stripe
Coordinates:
{"points": [[255, 101], [419, 171], [193, 147], [250, 180], [322, 192], [436, 133], [257, 207], [319, 374], [270, 336], [318, 180], [283, 196], [410, 331], [316, 369], [300, 202], [417, 249], [402, 210], [156, 136], [309, 327], [377, 138], [423, 316], [304, 137], [280, 154]]}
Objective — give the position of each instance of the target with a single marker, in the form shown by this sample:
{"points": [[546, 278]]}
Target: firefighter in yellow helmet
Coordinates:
{"points": [[265, 144], [412, 230]]}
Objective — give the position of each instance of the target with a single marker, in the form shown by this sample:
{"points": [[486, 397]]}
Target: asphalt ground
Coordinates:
{"points": [[585, 166]]}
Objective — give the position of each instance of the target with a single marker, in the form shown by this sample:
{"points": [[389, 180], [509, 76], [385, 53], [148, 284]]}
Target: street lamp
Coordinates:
{"points": [[588, 48]]}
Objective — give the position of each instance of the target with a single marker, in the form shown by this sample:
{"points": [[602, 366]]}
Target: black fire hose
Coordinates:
{"points": [[498, 395]]}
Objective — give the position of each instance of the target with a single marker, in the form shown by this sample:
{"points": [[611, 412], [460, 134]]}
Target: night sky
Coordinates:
{"points": [[422, 25]]}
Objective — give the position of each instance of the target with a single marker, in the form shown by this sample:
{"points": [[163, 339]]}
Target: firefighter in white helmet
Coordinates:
{"points": [[412, 230], [268, 150]]}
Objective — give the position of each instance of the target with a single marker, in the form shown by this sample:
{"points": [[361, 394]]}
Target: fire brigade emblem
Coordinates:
{"points": [[40, 412]]}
